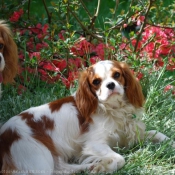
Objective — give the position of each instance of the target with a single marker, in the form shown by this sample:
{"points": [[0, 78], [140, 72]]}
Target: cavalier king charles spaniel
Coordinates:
{"points": [[79, 132], [8, 55]]}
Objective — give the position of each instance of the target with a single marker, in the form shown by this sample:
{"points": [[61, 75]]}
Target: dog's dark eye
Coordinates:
{"points": [[96, 82], [116, 75], [1, 46]]}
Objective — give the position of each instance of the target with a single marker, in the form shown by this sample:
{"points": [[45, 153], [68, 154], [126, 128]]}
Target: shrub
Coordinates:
{"points": [[56, 45]]}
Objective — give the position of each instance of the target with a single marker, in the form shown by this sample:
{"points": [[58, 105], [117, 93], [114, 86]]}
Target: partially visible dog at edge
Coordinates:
{"points": [[8, 55], [79, 132]]}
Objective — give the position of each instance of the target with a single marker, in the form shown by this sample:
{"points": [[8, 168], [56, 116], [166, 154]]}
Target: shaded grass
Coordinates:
{"points": [[144, 158], [12, 103]]}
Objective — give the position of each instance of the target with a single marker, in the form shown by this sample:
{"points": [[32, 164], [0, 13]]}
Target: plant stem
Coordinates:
{"points": [[85, 8], [164, 27], [84, 27], [143, 25], [47, 11], [92, 22], [28, 8]]}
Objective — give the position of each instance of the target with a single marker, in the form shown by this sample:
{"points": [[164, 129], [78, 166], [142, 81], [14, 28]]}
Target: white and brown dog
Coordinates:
{"points": [[78, 132], [8, 55]]}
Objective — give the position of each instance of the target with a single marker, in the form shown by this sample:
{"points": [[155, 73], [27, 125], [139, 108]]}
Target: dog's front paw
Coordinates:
{"points": [[97, 168], [108, 164]]}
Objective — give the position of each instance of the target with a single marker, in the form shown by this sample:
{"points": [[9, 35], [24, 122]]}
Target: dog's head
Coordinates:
{"points": [[107, 82], [8, 55]]}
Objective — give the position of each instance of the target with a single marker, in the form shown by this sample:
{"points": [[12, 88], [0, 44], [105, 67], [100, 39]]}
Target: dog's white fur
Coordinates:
{"points": [[79, 132]]}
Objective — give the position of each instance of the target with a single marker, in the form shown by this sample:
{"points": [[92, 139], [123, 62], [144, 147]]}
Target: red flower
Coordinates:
{"points": [[134, 43], [21, 55], [42, 72], [34, 54], [16, 15], [48, 66], [165, 49], [159, 63], [82, 47], [45, 28], [139, 75], [68, 82], [22, 32], [101, 49], [45, 76], [40, 30], [75, 63], [35, 30], [170, 87], [125, 25], [171, 65], [140, 20], [40, 46], [61, 35], [40, 36], [61, 64], [30, 45], [94, 59]]}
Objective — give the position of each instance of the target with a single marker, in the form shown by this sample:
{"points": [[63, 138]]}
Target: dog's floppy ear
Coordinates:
{"points": [[10, 54], [133, 88], [86, 100]]}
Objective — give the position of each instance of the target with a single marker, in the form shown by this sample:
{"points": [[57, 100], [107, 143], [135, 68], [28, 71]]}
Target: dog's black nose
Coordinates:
{"points": [[110, 85]]}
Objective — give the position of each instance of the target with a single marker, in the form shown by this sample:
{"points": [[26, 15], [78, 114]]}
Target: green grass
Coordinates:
{"points": [[12, 103], [143, 159]]}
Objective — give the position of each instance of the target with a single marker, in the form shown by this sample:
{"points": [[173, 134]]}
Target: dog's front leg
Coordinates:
{"points": [[157, 137], [104, 159]]}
